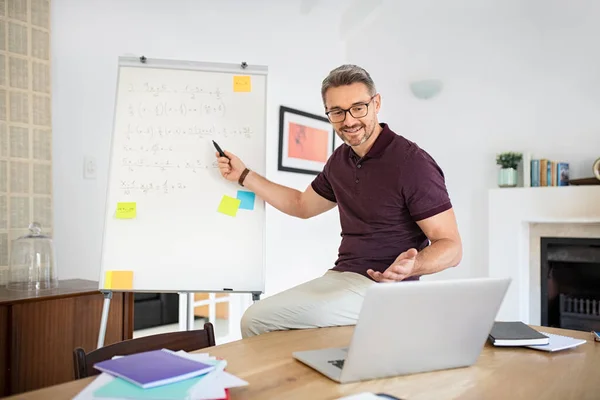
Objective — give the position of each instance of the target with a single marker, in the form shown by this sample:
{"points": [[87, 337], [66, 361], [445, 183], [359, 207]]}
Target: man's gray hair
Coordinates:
{"points": [[347, 74]]}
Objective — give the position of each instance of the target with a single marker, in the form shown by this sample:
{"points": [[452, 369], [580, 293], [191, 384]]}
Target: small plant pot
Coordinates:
{"points": [[507, 177]]}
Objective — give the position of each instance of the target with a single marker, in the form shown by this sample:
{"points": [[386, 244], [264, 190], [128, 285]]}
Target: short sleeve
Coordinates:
{"points": [[424, 187], [322, 186]]}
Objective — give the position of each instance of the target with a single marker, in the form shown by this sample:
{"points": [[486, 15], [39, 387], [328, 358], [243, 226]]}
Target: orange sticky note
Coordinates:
{"points": [[242, 84], [122, 280], [229, 206], [126, 210]]}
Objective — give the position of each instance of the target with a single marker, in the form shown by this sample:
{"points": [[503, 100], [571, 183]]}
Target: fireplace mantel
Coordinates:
{"points": [[510, 215]]}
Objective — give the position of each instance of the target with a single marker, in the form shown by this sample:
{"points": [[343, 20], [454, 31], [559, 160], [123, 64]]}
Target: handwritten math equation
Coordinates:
{"points": [[165, 187], [173, 108], [193, 91], [152, 149], [165, 165], [194, 130]]}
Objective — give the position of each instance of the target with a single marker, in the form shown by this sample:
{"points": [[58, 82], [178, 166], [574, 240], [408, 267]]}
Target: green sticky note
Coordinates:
{"points": [[126, 210], [229, 206], [121, 389]]}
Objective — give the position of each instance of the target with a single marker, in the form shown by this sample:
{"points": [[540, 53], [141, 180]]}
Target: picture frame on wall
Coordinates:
{"points": [[306, 141]]}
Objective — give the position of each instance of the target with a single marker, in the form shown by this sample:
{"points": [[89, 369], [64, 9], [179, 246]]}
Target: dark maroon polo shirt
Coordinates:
{"points": [[380, 198]]}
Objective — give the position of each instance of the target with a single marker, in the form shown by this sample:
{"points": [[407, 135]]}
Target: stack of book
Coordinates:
{"points": [[162, 374], [546, 172], [516, 333]]}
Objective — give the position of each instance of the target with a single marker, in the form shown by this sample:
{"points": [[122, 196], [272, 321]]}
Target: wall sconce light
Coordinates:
{"points": [[426, 89]]}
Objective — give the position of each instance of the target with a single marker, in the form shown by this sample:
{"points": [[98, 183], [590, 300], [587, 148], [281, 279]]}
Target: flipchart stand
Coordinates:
{"points": [[186, 300], [104, 319]]}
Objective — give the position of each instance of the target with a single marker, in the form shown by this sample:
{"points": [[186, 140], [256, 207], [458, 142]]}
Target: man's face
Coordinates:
{"points": [[356, 128]]}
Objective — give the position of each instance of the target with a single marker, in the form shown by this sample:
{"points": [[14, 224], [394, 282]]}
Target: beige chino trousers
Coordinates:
{"points": [[334, 299]]}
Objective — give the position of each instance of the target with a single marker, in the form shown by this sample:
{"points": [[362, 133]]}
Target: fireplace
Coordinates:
{"points": [[570, 283]]}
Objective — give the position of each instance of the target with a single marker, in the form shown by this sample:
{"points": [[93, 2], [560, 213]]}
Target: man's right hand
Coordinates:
{"points": [[231, 168], [287, 200]]}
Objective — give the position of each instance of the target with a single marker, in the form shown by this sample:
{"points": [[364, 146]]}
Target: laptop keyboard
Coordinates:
{"points": [[337, 363]]}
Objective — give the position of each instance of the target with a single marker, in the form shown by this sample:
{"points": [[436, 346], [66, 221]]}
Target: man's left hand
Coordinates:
{"points": [[400, 269]]}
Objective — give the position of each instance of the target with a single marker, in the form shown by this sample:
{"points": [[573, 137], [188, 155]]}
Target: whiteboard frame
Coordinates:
{"points": [[205, 66]]}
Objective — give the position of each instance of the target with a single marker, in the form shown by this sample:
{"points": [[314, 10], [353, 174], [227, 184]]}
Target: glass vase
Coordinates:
{"points": [[32, 262]]}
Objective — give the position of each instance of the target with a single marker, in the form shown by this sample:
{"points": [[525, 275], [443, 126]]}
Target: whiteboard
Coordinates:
{"points": [[162, 159]]}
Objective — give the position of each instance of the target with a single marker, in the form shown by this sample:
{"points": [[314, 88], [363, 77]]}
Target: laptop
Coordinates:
{"points": [[414, 326]]}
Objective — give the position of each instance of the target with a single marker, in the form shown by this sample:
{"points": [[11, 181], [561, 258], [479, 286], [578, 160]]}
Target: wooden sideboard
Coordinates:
{"points": [[38, 331]]}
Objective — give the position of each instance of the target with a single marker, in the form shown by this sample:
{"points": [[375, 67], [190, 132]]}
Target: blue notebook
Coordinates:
{"points": [[153, 368], [120, 388]]}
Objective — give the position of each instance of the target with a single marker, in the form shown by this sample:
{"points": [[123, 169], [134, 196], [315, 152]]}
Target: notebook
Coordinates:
{"points": [[558, 342], [515, 333], [153, 368], [120, 388]]}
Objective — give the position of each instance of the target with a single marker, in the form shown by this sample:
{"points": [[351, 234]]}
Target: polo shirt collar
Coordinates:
{"points": [[383, 140]]}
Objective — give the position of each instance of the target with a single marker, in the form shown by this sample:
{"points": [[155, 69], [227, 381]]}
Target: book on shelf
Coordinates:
{"points": [[546, 172]]}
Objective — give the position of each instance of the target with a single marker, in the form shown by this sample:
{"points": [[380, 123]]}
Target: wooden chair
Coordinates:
{"points": [[186, 341]]}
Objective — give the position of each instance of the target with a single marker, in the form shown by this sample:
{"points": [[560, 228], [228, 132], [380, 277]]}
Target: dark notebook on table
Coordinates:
{"points": [[516, 333]]}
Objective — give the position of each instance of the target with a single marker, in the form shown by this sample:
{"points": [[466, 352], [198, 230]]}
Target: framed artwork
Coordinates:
{"points": [[305, 141]]}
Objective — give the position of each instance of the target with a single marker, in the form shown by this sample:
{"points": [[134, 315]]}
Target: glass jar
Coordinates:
{"points": [[32, 262]]}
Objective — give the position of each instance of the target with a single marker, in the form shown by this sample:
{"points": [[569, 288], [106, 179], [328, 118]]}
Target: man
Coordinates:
{"points": [[396, 216]]}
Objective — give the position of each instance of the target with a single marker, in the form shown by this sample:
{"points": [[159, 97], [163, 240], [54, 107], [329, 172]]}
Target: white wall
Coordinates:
{"points": [[518, 75], [87, 38]]}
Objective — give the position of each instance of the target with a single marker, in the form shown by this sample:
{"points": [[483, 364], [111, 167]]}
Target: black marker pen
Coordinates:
{"points": [[219, 149]]}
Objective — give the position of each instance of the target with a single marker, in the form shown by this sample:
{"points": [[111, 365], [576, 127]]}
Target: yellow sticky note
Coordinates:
{"points": [[126, 210], [229, 205], [242, 84], [121, 280]]}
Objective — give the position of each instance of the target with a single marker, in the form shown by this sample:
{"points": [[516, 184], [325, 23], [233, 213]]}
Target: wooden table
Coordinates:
{"points": [[40, 330], [500, 373]]}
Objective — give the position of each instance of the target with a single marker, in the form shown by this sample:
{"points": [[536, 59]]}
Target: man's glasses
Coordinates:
{"points": [[357, 111]]}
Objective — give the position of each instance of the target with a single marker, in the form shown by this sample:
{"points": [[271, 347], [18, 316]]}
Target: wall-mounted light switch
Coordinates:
{"points": [[89, 167]]}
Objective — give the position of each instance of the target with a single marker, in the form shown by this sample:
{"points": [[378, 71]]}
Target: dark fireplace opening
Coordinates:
{"points": [[570, 283]]}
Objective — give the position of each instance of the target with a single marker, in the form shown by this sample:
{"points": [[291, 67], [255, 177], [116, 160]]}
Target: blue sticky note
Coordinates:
{"points": [[247, 199]]}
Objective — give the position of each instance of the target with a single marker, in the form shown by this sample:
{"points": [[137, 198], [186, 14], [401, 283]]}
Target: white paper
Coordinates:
{"points": [[213, 387], [195, 356], [361, 396], [230, 381]]}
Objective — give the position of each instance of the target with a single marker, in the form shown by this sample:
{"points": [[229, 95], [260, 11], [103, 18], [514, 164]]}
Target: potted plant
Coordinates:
{"points": [[508, 161]]}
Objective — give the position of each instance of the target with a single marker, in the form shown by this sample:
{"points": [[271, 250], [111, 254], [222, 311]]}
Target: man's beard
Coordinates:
{"points": [[366, 135]]}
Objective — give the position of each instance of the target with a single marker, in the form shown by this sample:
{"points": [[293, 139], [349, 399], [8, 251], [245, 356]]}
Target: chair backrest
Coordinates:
{"points": [[185, 340]]}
